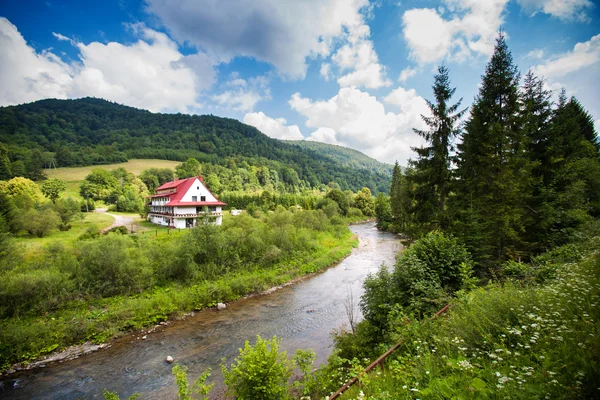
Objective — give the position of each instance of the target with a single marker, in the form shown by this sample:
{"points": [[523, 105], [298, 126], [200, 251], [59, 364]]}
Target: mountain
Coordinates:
{"points": [[92, 131], [347, 157]]}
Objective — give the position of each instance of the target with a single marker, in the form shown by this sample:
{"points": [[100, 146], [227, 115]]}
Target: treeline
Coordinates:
{"points": [[93, 131], [523, 177]]}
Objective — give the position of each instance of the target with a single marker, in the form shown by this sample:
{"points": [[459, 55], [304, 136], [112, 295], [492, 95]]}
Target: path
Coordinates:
{"points": [[120, 220]]}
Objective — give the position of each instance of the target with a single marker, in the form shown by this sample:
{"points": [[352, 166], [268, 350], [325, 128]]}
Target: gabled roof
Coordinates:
{"points": [[181, 188]]}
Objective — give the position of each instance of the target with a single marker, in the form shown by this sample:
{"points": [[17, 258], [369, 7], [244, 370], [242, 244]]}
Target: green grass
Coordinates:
{"points": [[134, 166], [100, 319], [501, 341], [91, 220]]}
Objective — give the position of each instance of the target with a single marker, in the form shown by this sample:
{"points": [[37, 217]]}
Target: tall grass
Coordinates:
{"points": [[510, 340]]}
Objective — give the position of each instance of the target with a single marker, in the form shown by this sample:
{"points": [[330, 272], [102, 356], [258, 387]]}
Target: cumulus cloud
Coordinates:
{"points": [[562, 9], [248, 93], [325, 71], [583, 55], [275, 128], [407, 73], [281, 32], [150, 73], [359, 56], [355, 119], [462, 29]]}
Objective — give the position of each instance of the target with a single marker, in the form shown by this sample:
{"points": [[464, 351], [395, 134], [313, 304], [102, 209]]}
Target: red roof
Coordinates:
{"points": [[181, 188], [196, 203]]}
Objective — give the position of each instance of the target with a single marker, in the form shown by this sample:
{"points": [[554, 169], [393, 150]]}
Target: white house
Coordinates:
{"points": [[184, 203]]}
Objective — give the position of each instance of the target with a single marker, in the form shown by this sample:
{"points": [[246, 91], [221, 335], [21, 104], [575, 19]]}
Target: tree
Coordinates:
{"points": [[188, 169], [400, 201], [5, 165], [340, 198], [52, 188], [536, 111], [38, 223], [432, 166], [383, 211], [492, 167], [24, 192], [364, 202], [67, 209], [99, 185]]}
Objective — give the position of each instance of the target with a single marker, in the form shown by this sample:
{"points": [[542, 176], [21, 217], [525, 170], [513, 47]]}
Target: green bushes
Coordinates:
{"points": [[263, 372], [428, 272], [110, 283]]}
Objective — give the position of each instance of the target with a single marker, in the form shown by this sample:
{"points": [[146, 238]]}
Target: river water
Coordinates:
{"points": [[302, 315]]}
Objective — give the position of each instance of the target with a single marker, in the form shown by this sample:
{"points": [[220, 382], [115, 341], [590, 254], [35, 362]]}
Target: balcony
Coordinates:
{"points": [[191, 215]]}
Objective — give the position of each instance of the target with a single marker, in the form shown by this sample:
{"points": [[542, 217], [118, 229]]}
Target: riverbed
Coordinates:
{"points": [[303, 315]]}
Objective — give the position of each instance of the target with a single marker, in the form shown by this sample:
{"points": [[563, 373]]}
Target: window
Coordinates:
{"points": [[202, 198], [194, 198]]}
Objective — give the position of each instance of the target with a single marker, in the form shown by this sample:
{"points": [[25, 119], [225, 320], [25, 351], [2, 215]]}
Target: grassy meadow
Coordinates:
{"points": [[134, 166]]}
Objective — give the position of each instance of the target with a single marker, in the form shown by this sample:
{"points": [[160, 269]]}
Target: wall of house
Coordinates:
{"points": [[159, 220], [198, 189]]}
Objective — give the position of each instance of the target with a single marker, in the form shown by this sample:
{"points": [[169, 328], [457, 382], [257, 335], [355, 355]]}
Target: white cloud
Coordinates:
{"points": [[281, 32], [562, 9], [407, 73], [248, 93], [150, 73], [469, 30], [275, 128], [325, 71], [355, 119], [583, 55], [360, 56], [61, 37], [535, 54]]}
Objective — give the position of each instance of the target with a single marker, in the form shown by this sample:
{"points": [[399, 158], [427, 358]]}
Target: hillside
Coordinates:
{"points": [[347, 157], [92, 131]]}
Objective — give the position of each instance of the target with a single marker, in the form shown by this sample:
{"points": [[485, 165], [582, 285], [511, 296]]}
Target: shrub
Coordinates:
{"points": [[259, 372]]}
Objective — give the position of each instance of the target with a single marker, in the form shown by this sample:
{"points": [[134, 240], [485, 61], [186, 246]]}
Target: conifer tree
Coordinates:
{"points": [[491, 165], [432, 166], [536, 111], [400, 200]]}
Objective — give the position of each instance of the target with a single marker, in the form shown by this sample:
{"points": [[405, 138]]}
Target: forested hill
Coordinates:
{"points": [[92, 131], [347, 157]]}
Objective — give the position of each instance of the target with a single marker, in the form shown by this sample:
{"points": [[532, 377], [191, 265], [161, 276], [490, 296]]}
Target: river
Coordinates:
{"points": [[302, 315]]}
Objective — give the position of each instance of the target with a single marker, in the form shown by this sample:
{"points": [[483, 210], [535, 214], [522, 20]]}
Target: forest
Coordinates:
{"points": [[91, 131]]}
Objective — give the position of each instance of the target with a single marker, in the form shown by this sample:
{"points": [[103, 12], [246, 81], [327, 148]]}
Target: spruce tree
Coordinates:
{"points": [[400, 200], [536, 111], [492, 166], [432, 167]]}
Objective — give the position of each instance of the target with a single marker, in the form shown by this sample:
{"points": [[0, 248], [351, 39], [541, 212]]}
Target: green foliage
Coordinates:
{"points": [[68, 210], [108, 395], [52, 188], [432, 177], [38, 223], [88, 124], [188, 169], [261, 371], [425, 276], [364, 202], [383, 211], [199, 386], [55, 296], [99, 185]]}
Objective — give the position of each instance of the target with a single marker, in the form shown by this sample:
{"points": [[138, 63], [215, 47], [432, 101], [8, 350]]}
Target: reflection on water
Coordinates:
{"points": [[303, 315]]}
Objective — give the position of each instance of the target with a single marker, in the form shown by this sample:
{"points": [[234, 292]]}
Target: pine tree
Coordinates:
{"points": [[432, 166], [400, 200], [575, 166], [536, 111], [492, 166]]}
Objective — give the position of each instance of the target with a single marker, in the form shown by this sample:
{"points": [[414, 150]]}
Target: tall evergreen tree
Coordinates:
{"points": [[432, 166], [400, 200], [536, 111], [491, 165]]}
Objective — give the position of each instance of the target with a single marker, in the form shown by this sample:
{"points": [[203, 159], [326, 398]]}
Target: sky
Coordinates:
{"points": [[355, 73]]}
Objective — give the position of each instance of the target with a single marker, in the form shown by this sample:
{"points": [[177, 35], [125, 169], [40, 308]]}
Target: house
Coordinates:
{"points": [[184, 203]]}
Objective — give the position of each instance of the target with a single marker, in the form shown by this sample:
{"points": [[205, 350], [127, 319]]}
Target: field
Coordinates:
{"points": [[133, 166]]}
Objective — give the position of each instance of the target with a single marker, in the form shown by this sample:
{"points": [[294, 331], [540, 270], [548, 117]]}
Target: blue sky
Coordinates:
{"points": [[347, 72]]}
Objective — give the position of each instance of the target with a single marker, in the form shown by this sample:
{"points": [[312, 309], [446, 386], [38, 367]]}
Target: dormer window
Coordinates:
{"points": [[194, 198]]}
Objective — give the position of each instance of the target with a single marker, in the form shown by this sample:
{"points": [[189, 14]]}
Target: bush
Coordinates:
{"points": [[262, 372], [39, 223]]}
